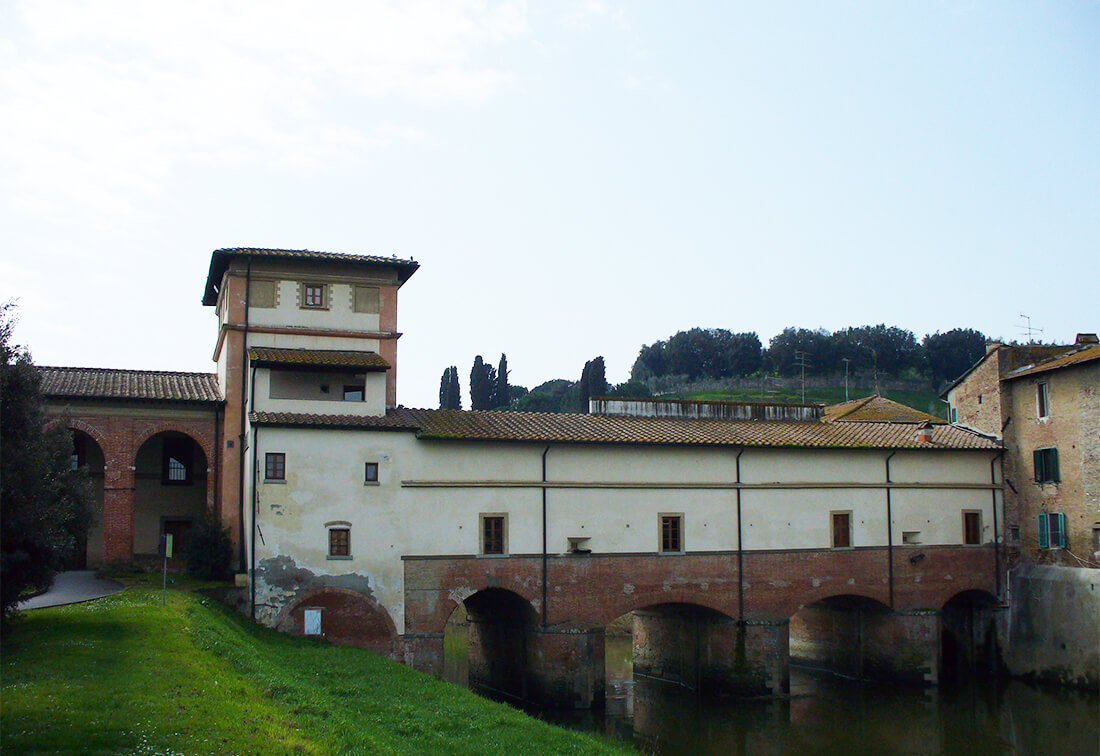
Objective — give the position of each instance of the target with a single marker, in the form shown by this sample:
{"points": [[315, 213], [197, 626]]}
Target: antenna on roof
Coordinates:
{"points": [[1029, 328], [801, 358]]}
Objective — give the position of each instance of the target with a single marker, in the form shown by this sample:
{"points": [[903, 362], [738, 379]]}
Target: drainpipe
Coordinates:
{"points": [[996, 539], [890, 530], [255, 494], [241, 438], [544, 587], [740, 550]]}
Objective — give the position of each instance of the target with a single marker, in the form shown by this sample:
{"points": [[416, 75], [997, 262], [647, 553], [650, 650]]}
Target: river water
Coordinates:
{"points": [[826, 714]]}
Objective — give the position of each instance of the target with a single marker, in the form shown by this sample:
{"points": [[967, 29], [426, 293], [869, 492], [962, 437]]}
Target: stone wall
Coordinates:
{"points": [[1051, 630]]}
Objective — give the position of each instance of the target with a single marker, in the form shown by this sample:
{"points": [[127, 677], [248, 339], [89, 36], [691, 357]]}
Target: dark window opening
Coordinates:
{"points": [[972, 528], [371, 475], [492, 534], [339, 542], [176, 461], [672, 533], [353, 393], [1042, 398], [275, 467], [842, 530]]}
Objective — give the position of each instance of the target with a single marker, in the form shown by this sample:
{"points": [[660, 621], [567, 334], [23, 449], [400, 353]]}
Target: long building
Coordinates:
{"points": [[371, 523]]}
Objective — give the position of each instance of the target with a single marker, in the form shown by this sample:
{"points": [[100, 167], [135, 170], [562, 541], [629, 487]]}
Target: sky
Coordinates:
{"points": [[574, 178]]}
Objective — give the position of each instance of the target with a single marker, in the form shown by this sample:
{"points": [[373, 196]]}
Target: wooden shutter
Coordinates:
{"points": [[1052, 465], [1044, 532]]}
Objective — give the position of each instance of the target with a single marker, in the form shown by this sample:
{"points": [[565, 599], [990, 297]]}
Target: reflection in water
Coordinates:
{"points": [[826, 714]]}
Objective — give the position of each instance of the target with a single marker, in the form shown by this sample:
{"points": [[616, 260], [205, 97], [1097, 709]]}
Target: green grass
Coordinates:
{"points": [[925, 401], [124, 674]]}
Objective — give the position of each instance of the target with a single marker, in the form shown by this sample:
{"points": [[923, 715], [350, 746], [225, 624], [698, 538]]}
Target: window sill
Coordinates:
{"points": [[276, 481], [370, 483], [333, 558], [671, 553], [492, 556]]}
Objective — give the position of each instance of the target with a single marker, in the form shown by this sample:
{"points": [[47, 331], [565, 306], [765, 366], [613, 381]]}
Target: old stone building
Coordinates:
{"points": [[735, 534], [1043, 403]]}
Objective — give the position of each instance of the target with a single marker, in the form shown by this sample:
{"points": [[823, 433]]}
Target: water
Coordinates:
{"points": [[826, 714]]}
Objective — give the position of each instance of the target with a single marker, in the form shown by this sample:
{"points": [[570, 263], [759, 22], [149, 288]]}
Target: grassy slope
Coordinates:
{"points": [[125, 675], [926, 401]]}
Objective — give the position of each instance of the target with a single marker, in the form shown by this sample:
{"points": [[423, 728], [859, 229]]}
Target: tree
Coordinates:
{"points": [[450, 392], [951, 354], [45, 505], [501, 394], [482, 379], [593, 382]]}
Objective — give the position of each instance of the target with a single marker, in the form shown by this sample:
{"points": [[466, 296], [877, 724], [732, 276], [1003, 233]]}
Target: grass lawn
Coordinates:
{"points": [[124, 674]]}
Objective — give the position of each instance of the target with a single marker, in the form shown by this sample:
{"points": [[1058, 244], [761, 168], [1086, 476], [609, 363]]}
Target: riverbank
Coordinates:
{"points": [[126, 674]]}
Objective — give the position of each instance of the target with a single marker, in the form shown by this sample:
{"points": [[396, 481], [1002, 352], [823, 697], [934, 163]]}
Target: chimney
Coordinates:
{"points": [[924, 432], [1086, 338], [991, 345]]}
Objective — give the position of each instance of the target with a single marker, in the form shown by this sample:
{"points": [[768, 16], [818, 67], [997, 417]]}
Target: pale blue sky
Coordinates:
{"points": [[575, 179]]}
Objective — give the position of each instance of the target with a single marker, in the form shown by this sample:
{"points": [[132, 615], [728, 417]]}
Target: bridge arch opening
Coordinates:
{"points": [[88, 455], [170, 485], [341, 616], [842, 634], [487, 643], [968, 637]]}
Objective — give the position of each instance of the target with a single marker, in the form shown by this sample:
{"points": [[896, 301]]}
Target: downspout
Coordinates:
{"points": [[218, 465], [544, 587], [241, 438], [740, 550], [255, 508], [890, 530], [996, 539]]}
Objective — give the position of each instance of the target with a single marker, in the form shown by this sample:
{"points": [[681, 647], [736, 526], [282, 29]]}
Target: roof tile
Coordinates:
{"points": [[131, 385]]}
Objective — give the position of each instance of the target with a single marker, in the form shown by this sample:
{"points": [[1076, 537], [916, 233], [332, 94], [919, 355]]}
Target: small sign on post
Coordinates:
{"points": [[167, 538]]}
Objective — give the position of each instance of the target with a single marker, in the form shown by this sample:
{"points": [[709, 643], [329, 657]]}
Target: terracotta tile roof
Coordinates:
{"points": [[129, 385], [220, 258], [1076, 357], [459, 425], [877, 409], [323, 358]]}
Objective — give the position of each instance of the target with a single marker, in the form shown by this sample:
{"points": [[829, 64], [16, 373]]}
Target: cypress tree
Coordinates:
{"points": [[482, 378], [450, 392], [501, 392]]}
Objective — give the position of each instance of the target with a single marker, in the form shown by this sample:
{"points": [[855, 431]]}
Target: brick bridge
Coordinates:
{"points": [[719, 621]]}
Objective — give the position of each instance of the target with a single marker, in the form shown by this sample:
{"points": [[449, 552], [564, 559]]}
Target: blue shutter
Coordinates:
{"points": [[1037, 458], [1044, 533], [1052, 471], [1061, 530]]}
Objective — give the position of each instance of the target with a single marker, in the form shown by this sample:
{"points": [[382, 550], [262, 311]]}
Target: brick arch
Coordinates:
{"points": [[351, 618], [810, 598], [199, 436], [614, 609], [73, 423], [449, 602], [977, 591]]}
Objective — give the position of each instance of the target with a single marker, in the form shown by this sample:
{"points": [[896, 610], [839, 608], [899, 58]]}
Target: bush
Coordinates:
{"points": [[209, 550]]}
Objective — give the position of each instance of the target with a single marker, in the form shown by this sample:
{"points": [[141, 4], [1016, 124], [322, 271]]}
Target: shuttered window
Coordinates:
{"points": [[1052, 530], [1046, 465]]}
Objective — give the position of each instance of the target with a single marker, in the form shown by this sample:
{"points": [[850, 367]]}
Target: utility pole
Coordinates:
{"points": [[874, 355], [801, 358], [845, 360]]}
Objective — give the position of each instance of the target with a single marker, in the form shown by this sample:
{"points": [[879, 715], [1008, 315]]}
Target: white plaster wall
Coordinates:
{"points": [[803, 465], [801, 519], [373, 404], [937, 514], [339, 314], [958, 467]]}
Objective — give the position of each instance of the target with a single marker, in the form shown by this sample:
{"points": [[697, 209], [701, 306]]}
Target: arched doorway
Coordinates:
{"points": [[486, 643], [968, 638], [341, 616], [170, 485], [88, 455], [840, 634]]}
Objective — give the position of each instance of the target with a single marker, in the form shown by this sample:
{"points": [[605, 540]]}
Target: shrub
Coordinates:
{"points": [[209, 551]]}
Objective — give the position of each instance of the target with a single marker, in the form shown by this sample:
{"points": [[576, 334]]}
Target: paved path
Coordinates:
{"points": [[72, 588]]}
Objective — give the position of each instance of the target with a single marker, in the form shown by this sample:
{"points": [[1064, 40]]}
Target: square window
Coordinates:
{"points": [[493, 534], [1042, 399], [842, 530], [275, 466], [1046, 465], [313, 296], [672, 534], [371, 474], [972, 528], [353, 393], [910, 537], [339, 542]]}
